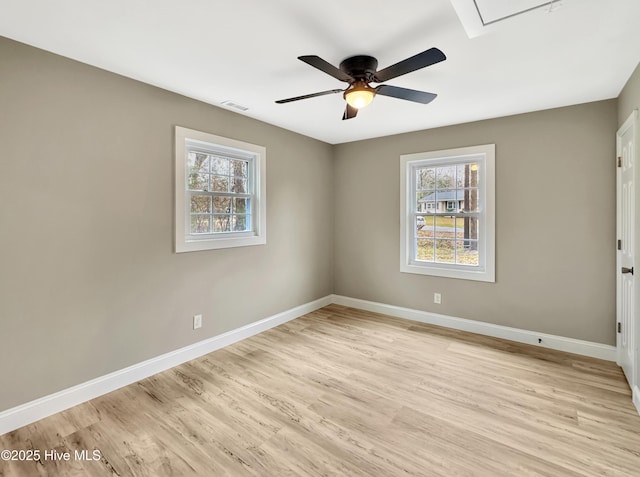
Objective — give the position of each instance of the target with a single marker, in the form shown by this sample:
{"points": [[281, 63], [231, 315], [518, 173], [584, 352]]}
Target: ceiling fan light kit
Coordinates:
{"points": [[359, 95], [361, 70]]}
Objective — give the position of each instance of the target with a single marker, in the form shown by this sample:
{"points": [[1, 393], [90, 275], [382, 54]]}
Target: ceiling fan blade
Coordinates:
{"points": [[421, 60], [349, 112], [404, 93], [326, 67], [307, 96]]}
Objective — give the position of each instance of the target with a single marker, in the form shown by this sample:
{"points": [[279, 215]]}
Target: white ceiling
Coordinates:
{"points": [[246, 51]]}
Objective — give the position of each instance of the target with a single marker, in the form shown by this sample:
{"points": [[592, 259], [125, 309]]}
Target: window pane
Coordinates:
{"points": [[221, 223], [239, 168], [220, 166], [448, 200], [424, 250], [200, 224], [467, 252], [426, 201], [427, 230], [220, 184], [239, 185], [446, 177], [425, 179], [467, 228], [221, 205], [445, 227], [240, 223], [198, 162], [462, 175], [201, 204], [467, 175], [444, 251], [241, 206], [198, 181], [470, 200]]}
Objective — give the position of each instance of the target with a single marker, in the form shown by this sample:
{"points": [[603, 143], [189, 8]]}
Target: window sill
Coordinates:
{"points": [[218, 243], [447, 271]]}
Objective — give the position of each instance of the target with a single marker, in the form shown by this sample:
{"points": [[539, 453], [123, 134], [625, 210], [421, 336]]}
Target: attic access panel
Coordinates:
{"points": [[477, 16]]}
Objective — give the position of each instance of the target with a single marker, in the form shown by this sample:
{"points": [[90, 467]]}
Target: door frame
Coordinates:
{"points": [[631, 122]]}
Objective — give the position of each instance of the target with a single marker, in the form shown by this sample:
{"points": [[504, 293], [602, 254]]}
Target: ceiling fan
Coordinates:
{"points": [[359, 71]]}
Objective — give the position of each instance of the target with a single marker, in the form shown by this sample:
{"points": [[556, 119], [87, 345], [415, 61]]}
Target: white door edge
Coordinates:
{"points": [[631, 122]]}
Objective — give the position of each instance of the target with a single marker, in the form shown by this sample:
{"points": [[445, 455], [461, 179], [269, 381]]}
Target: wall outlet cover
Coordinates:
{"points": [[197, 321]]}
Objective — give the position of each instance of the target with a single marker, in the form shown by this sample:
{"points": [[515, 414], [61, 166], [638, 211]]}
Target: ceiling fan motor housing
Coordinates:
{"points": [[361, 67]]}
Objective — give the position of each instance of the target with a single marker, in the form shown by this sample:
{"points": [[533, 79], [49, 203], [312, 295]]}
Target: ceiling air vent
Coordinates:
{"points": [[231, 104]]}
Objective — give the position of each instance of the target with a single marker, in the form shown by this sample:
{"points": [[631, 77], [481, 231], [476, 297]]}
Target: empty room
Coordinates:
{"points": [[319, 239]]}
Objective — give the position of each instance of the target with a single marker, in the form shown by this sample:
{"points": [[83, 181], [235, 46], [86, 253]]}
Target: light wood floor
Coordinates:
{"points": [[353, 393]]}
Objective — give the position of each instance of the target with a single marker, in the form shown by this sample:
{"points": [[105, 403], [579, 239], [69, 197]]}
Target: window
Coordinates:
{"points": [[220, 192], [457, 239]]}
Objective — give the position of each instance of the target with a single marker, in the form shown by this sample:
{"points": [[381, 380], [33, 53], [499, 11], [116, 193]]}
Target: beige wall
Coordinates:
{"points": [[629, 98], [555, 215], [89, 282]]}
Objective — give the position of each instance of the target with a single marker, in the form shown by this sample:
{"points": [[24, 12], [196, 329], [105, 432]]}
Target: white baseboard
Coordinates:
{"points": [[27, 413], [570, 345], [636, 398]]}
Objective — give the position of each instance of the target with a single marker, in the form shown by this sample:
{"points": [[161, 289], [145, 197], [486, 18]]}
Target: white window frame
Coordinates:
{"points": [[484, 155], [188, 139]]}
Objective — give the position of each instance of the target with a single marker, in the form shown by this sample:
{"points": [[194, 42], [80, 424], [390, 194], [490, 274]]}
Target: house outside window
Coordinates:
{"points": [[451, 192], [220, 193]]}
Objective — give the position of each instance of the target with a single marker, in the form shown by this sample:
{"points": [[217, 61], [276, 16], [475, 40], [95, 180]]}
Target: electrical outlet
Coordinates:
{"points": [[437, 298], [197, 321]]}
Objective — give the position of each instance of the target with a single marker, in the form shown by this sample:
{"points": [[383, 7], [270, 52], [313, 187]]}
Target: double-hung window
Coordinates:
{"points": [[448, 213], [220, 193]]}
